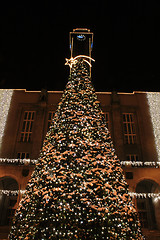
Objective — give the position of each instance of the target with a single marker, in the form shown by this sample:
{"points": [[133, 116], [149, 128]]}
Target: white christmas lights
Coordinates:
{"points": [[5, 101], [154, 107], [123, 163], [12, 192], [155, 196], [140, 164], [17, 161], [145, 195]]}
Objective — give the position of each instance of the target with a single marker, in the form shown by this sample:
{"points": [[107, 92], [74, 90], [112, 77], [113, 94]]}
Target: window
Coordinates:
{"points": [[143, 213], [106, 115], [147, 209], [50, 117], [27, 126], [22, 155], [129, 128], [7, 202], [132, 157]]}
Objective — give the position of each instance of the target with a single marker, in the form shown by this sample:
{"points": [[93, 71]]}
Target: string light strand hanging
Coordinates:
{"points": [[132, 194], [123, 163]]}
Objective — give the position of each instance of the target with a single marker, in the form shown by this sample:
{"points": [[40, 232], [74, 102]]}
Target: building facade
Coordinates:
{"points": [[134, 123]]}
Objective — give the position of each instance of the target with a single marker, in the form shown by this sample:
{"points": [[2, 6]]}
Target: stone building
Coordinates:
{"points": [[133, 120]]}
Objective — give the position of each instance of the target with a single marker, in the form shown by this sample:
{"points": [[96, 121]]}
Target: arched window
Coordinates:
{"points": [[147, 207], [7, 203]]}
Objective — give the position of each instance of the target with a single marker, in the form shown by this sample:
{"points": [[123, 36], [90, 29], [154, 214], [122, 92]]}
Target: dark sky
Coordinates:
{"points": [[35, 43]]}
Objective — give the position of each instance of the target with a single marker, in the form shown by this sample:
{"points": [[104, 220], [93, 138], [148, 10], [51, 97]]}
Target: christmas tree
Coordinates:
{"points": [[78, 190]]}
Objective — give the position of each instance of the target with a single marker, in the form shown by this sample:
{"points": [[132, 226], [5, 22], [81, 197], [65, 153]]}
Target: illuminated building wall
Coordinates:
{"points": [[132, 118], [5, 102], [154, 107]]}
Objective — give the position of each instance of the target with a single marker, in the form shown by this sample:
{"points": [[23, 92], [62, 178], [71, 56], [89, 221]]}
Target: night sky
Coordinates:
{"points": [[35, 43]]}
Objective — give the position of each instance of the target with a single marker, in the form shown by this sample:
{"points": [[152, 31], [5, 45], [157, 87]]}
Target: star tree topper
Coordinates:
{"points": [[73, 61]]}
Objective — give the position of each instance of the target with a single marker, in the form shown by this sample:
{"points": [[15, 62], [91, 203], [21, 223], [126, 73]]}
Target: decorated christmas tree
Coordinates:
{"points": [[78, 190]]}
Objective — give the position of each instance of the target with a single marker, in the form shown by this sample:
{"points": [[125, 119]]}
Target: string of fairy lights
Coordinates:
{"points": [[123, 163], [140, 164], [154, 196], [18, 161]]}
